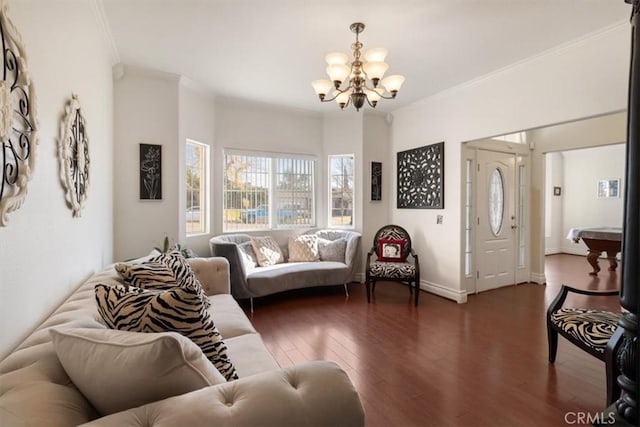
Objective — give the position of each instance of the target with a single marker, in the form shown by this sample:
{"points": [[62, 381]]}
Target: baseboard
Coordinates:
{"points": [[537, 278], [458, 296], [552, 251], [574, 250]]}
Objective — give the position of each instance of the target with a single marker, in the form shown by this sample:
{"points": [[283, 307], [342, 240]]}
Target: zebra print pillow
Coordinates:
{"points": [[162, 272], [177, 309], [183, 273], [151, 274]]}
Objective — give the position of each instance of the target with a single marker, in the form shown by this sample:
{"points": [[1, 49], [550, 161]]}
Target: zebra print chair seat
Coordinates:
{"points": [[391, 248], [393, 270], [592, 328], [594, 331]]}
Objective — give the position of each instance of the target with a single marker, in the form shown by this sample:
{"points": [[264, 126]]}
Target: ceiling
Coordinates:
{"points": [[270, 51]]}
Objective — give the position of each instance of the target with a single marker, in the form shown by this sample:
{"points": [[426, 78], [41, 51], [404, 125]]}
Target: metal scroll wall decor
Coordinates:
{"points": [[73, 151], [18, 120], [421, 177]]}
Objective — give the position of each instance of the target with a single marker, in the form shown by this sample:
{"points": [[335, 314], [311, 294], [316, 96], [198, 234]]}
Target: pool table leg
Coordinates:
{"points": [[592, 257], [613, 263]]}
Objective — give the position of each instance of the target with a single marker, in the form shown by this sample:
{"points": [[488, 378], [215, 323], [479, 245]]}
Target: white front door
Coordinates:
{"points": [[496, 218]]}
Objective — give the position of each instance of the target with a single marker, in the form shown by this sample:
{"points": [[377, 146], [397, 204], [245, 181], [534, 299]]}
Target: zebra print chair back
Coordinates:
{"points": [[392, 232]]}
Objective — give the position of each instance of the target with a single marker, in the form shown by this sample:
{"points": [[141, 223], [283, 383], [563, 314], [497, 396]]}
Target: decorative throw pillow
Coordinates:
{"points": [[332, 250], [152, 273], [177, 309], [247, 255], [391, 250], [303, 248], [185, 277], [117, 370], [267, 251]]}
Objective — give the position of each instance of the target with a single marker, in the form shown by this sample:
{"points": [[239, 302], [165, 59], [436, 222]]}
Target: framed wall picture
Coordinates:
{"points": [[376, 181], [421, 177], [608, 188], [150, 172]]}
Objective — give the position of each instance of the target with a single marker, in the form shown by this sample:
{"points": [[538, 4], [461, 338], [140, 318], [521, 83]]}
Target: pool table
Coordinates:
{"points": [[598, 240]]}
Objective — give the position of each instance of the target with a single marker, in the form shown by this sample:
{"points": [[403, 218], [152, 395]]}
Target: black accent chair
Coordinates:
{"points": [[594, 331], [392, 247]]}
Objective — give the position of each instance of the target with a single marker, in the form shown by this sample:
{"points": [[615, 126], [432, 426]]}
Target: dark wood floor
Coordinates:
{"points": [[441, 363]]}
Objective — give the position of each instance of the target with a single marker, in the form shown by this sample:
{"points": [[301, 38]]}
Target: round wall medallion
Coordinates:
{"points": [[18, 120], [73, 150]]}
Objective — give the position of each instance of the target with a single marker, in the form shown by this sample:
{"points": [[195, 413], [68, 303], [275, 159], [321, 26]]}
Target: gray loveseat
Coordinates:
{"points": [[250, 281]]}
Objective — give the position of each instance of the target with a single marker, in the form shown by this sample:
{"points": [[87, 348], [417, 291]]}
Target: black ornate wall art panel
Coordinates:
{"points": [[376, 181], [421, 177], [150, 172], [18, 119]]}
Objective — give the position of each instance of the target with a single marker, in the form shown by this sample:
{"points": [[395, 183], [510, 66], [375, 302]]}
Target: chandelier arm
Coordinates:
{"points": [[346, 104], [369, 102], [338, 92], [381, 94], [386, 97]]}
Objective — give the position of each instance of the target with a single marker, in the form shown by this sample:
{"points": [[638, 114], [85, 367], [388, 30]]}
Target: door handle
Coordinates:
{"points": [[513, 227]]}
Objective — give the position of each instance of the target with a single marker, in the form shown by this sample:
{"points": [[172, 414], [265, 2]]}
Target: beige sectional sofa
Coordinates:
{"points": [[35, 389], [250, 280]]}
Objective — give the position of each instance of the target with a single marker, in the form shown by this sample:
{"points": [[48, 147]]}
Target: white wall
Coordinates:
{"points": [[245, 125], [196, 122], [554, 141], [580, 205], [343, 134], [377, 134], [45, 252], [162, 108], [554, 177], [582, 79], [146, 111]]}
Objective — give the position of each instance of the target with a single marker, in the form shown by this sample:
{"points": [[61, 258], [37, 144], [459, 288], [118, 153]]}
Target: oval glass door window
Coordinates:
{"points": [[496, 201]]}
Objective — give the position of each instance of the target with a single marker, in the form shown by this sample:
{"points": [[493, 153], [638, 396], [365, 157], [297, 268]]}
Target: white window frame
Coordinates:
{"points": [[204, 201], [273, 173], [330, 193]]}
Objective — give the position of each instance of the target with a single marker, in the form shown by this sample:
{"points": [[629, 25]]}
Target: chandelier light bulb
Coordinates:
{"points": [[373, 95], [393, 83], [338, 72], [343, 98], [336, 58], [322, 87], [376, 54], [375, 70]]}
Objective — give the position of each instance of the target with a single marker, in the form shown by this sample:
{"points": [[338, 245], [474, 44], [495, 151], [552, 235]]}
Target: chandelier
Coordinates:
{"points": [[358, 82]]}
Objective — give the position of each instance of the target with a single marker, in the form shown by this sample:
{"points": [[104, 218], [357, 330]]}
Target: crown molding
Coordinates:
{"points": [[120, 70], [105, 29]]}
